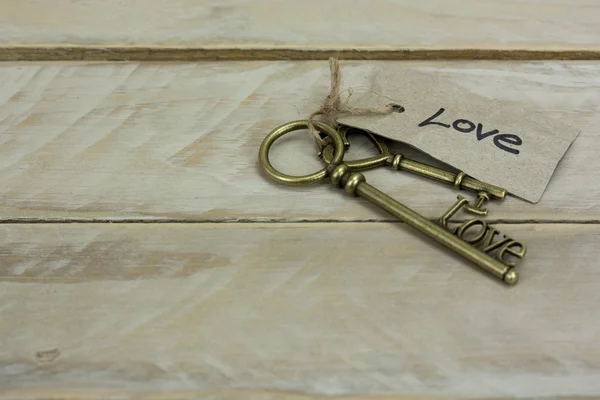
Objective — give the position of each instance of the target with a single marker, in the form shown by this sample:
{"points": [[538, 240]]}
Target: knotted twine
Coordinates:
{"points": [[333, 107]]}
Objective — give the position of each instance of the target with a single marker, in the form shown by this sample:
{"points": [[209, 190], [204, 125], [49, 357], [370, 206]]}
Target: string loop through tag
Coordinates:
{"points": [[333, 106]]}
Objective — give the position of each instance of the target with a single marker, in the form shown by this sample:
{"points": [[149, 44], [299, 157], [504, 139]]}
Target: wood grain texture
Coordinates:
{"points": [[224, 305], [112, 29], [291, 310], [180, 141]]}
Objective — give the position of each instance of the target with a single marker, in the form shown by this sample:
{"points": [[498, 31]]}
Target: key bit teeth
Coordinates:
{"points": [[482, 198]]}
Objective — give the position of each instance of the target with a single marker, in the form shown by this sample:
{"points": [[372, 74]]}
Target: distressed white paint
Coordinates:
{"points": [[323, 309], [181, 140], [332, 24], [276, 311]]}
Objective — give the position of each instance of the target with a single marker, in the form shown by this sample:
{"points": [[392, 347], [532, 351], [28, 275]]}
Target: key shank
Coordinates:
{"points": [[458, 180], [355, 185], [398, 162]]}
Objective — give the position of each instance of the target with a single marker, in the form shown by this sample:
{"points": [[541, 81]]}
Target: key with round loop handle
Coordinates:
{"points": [[355, 184]]}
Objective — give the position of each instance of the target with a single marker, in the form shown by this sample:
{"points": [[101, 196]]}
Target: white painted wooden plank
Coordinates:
{"points": [[180, 141], [291, 309], [307, 24]]}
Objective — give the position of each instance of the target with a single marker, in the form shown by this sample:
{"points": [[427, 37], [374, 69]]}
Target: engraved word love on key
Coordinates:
{"points": [[478, 233]]}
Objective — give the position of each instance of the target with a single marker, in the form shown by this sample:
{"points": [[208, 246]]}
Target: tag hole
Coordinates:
{"points": [[397, 108]]}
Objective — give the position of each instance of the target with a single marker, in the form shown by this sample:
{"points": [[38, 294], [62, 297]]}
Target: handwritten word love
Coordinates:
{"points": [[501, 141]]}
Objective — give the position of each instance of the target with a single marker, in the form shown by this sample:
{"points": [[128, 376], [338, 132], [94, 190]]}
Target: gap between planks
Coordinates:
{"points": [[153, 220], [83, 53], [241, 394]]}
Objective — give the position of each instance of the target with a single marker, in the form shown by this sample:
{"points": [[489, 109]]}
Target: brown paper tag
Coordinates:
{"points": [[497, 142]]}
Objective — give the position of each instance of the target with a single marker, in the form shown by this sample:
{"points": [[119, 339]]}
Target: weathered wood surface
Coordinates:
{"points": [[211, 308], [290, 311], [143, 29], [180, 141]]}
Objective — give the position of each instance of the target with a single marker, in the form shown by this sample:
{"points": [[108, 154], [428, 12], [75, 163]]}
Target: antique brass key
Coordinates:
{"points": [[355, 184], [399, 162]]}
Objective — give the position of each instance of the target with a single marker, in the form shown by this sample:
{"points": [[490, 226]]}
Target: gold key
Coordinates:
{"points": [[399, 162], [355, 184]]}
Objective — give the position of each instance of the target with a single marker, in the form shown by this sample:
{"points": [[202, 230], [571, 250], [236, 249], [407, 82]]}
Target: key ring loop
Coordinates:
{"points": [[280, 177]]}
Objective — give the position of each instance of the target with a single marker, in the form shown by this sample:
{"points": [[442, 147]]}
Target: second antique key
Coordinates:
{"points": [[459, 180]]}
